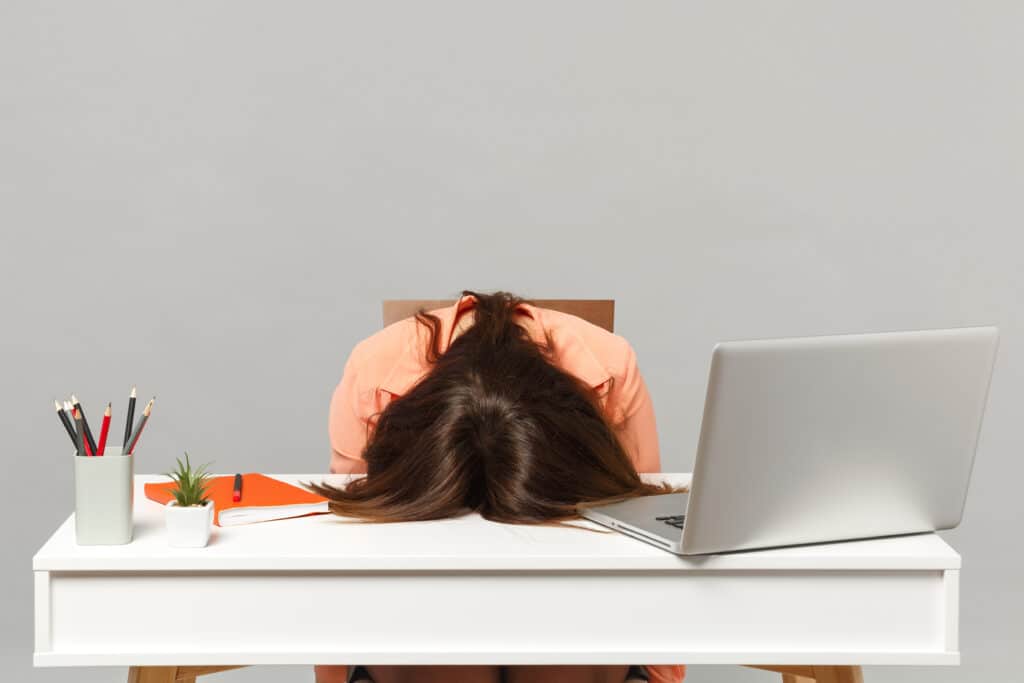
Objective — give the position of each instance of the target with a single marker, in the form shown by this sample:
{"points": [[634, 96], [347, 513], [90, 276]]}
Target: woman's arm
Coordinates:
{"points": [[342, 464], [346, 428], [633, 415]]}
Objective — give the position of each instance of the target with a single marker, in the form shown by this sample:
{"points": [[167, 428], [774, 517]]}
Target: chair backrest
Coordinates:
{"points": [[600, 312]]}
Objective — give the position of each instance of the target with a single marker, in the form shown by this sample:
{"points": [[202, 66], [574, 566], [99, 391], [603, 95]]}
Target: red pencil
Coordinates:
{"points": [[74, 415], [104, 428]]}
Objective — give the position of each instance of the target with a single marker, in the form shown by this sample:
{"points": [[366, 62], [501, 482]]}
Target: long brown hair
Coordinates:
{"points": [[494, 427]]}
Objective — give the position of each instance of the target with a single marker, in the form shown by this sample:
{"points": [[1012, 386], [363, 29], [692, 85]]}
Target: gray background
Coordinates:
{"points": [[210, 199]]}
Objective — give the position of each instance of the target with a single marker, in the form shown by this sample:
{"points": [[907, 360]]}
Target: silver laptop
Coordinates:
{"points": [[825, 439]]}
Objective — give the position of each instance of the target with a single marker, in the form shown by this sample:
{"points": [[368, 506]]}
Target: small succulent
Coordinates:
{"points": [[191, 483]]}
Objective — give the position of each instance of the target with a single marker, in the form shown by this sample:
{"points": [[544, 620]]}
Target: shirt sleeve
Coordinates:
{"points": [[346, 427], [633, 414]]}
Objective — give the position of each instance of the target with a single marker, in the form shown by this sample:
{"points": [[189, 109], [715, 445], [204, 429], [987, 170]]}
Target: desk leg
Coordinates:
{"points": [[172, 674], [815, 674], [152, 674], [838, 674]]}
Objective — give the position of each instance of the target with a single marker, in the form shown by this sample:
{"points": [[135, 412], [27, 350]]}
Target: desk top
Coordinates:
{"points": [[468, 543]]}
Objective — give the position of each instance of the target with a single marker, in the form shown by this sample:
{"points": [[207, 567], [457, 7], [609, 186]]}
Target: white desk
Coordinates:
{"points": [[428, 593]]}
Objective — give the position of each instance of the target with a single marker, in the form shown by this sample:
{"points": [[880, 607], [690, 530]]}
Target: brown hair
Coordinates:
{"points": [[494, 427]]}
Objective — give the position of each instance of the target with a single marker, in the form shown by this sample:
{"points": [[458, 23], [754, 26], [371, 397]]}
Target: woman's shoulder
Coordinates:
{"points": [[583, 343], [374, 357], [391, 358]]}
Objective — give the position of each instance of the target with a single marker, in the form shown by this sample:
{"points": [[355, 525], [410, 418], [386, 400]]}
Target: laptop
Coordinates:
{"points": [[823, 439]]}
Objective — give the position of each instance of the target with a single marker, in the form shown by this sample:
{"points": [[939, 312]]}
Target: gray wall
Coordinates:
{"points": [[210, 199]]}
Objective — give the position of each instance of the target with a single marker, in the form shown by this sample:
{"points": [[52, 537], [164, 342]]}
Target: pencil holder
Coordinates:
{"points": [[104, 495]]}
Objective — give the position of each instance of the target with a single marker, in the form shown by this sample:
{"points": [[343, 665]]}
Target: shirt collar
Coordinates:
{"points": [[576, 356]]}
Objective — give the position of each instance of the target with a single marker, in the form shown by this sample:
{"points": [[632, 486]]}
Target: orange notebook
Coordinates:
{"points": [[263, 499]]}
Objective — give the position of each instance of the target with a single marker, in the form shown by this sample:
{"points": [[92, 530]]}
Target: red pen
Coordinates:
{"points": [[236, 494], [104, 428]]}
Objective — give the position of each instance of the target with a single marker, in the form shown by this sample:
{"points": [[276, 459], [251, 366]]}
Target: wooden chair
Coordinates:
{"points": [[600, 312]]}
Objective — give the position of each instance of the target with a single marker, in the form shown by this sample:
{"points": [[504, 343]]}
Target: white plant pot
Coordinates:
{"points": [[188, 527]]}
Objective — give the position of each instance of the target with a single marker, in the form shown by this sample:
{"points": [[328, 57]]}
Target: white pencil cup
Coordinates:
{"points": [[104, 495]]}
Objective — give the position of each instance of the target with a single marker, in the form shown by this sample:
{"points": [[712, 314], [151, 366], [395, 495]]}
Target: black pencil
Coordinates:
{"points": [[128, 421], [130, 446], [66, 422], [85, 422], [79, 439]]}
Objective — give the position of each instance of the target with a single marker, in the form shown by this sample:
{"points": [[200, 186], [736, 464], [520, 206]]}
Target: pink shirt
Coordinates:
{"points": [[385, 365]]}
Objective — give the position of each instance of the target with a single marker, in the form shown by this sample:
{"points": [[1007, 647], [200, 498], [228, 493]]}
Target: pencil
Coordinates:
{"points": [[128, 420], [74, 416], [66, 422], [91, 442], [69, 412], [130, 447], [79, 432], [104, 428]]}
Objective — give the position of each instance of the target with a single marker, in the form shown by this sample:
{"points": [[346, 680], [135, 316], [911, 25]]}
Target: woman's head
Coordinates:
{"points": [[494, 427]]}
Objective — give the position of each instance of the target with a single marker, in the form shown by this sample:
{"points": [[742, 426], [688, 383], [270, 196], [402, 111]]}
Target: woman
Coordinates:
{"points": [[497, 406]]}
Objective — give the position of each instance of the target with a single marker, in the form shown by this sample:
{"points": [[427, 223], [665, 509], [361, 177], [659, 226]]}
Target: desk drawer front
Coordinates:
{"points": [[496, 617]]}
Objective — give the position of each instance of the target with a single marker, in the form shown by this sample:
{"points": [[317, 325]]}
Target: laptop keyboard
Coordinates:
{"points": [[673, 520]]}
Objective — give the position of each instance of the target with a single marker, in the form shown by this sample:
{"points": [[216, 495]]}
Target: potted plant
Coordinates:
{"points": [[189, 516]]}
